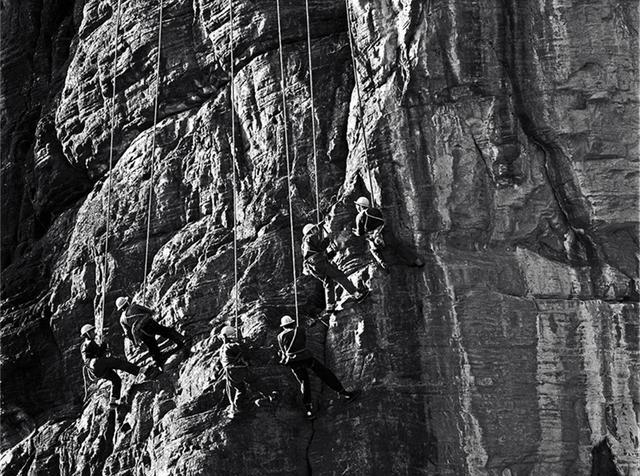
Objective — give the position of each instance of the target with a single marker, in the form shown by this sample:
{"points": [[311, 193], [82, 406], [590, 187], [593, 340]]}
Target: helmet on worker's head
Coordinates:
{"points": [[84, 330], [308, 228], [227, 331], [363, 202], [121, 302], [286, 321]]}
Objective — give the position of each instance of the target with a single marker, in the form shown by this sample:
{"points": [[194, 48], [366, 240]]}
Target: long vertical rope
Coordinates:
{"points": [[152, 155], [357, 81], [313, 114], [286, 149], [233, 168], [101, 316]]}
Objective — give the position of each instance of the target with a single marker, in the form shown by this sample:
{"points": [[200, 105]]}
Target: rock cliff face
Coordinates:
{"points": [[502, 146]]}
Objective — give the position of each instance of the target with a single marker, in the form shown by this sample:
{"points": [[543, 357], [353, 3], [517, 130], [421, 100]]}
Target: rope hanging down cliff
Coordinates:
{"points": [[152, 155], [313, 113], [361, 109], [100, 316], [233, 168], [283, 86]]}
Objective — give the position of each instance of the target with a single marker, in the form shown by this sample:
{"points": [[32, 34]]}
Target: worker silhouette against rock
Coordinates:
{"points": [[295, 355], [316, 263], [234, 368], [370, 224], [97, 359], [140, 327]]}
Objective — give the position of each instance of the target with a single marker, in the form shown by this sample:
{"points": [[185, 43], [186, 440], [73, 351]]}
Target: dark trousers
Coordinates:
{"points": [[151, 329], [235, 384], [329, 274], [105, 367], [301, 373]]}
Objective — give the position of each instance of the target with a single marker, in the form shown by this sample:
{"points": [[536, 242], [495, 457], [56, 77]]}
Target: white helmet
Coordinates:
{"points": [[86, 329], [363, 202], [121, 302], [227, 331], [286, 321], [307, 229]]}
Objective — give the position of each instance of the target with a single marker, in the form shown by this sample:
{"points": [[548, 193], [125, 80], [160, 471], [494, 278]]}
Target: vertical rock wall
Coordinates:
{"points": [[503, 149]]}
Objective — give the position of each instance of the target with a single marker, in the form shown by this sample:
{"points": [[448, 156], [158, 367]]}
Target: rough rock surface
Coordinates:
{"points": [[503, 147]]}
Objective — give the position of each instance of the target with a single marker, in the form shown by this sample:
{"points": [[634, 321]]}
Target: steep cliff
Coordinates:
{"points": [[502, 146]]}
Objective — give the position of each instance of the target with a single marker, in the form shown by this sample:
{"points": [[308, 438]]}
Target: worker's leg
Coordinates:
{"points": [[326, 375], [315, 268], [152, 345], [235, 385], [152, 327], [331, 271], [301, 374], [123, 365], [116, 383]]}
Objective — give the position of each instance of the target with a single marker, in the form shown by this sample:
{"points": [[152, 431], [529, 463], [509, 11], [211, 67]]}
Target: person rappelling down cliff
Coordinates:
{"points": [[315, 255], [370, 224], [97, 359], [140, 327], [234, 368], [295, 355]]}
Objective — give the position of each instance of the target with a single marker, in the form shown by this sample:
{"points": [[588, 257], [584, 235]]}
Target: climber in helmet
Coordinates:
{"points": [[140, 327], [370, 224], [316, 263], [295, 355], [97, 359], [234, 367]]}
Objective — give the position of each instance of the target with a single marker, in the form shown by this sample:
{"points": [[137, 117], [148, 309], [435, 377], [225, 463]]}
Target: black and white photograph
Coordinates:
{"points": [[319, 238]]}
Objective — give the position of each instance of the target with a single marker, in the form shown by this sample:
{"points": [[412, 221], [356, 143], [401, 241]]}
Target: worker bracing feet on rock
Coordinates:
{"points": [[234, 368], [370, 224], [295, 355], [317, 264], [97, 359], [140, 327]]}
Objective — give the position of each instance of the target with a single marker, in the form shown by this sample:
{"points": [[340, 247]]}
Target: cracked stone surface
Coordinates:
{"points": [[502, 146]]}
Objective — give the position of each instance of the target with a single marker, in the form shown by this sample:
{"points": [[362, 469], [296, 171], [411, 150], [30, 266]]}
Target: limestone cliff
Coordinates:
{"points": [[502, 146]]}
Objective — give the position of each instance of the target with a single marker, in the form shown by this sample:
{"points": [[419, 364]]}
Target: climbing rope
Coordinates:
{"points": [[286, 149], [313, 114], [101, 315], [153, 153], [233, 168], [361, 109]]}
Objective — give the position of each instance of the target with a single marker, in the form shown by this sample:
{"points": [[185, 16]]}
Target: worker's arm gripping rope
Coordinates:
{"points": [[105, 270], [152, 153]]}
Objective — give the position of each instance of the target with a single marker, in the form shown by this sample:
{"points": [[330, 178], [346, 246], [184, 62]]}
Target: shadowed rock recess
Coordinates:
{"points": [[503, 147]]}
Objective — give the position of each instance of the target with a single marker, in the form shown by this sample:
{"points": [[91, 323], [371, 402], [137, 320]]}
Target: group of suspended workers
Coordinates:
{"points": [[317, 249]]}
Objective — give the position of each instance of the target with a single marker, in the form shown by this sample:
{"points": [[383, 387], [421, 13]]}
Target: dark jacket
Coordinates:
{"points": [[368, 220], [90, 350], [232, 355], [314, 246], [293, 345], [133, 318]]}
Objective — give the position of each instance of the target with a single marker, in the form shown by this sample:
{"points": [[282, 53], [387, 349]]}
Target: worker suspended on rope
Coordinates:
{"points": [[370, 224], [97, 359], [234, 368], [295, 355], [140, 327], [316, 263]]}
